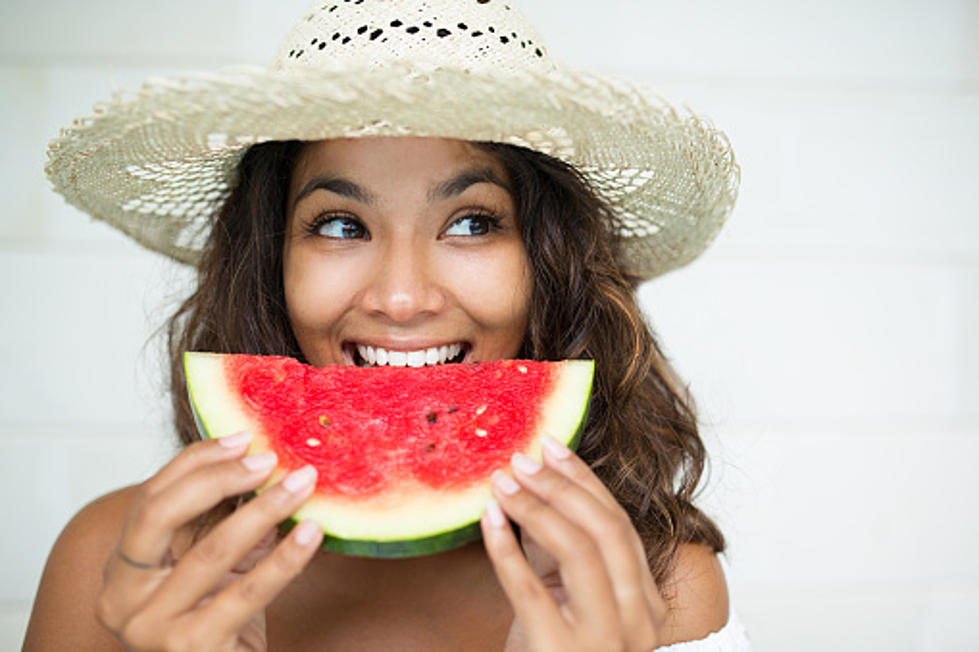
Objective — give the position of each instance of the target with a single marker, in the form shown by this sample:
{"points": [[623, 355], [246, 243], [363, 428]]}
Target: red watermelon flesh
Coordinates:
{"points": [[404, 454]]}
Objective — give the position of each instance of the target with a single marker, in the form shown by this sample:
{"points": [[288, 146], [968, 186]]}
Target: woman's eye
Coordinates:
{"points": [[341, 228], [472, 225]]}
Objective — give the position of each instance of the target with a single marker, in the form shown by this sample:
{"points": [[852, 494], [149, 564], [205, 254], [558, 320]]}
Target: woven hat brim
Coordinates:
{"points": [[159, 164]]}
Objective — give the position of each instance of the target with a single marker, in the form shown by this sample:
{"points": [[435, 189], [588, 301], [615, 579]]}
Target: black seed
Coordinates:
{"points": [[322, 44], [462, 26], [492, 30], [412, 30], [443, 32], [336, 36], [483, 2], [504, 39], [313, 42], [431, 417], [477, 33], [396, 23], [292, 52], [538, 52], [523, 44], [430, 448], [376, 33], [427, 23], [300, 53], [346, 39], [362, 29]]}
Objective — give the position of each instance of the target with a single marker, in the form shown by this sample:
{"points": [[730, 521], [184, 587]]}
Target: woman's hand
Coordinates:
{"points": [[213, 597], [585, 583]]}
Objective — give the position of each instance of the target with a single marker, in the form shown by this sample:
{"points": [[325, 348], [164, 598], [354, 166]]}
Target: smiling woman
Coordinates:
{"points": [[429, 197]]}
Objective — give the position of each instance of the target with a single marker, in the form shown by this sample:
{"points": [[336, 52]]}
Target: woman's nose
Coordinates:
{"points": [[404, 285]]}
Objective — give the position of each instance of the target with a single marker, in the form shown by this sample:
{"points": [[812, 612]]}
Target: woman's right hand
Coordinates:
{"points": [[214, 596]]}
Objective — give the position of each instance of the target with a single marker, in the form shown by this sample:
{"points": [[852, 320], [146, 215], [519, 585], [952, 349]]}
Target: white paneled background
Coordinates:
{"points": [[831, 335]]}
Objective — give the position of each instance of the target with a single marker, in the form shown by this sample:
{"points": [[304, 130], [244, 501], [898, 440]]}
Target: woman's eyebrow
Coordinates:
{"points": [[336, 185], [457, 184]]}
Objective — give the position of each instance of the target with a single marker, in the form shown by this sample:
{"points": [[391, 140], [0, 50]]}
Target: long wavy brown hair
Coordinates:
{"points": [[641, 436]]}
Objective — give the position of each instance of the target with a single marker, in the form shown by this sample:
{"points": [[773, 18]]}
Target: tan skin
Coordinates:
{"points": [[423, 262]]}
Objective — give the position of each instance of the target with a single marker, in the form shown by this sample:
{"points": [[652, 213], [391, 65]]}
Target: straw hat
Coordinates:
{"points": [[158, 164]]}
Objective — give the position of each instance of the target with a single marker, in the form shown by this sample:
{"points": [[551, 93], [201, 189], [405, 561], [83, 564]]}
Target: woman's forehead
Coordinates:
{"points": [[396, 161]]}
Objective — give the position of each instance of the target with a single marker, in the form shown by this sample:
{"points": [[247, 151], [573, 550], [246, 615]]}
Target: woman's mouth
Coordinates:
{"points": [[365, 355]]}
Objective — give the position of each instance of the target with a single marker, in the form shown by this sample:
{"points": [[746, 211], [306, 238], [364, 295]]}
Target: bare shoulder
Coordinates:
{"points": [[64, 607], [696, 592]]}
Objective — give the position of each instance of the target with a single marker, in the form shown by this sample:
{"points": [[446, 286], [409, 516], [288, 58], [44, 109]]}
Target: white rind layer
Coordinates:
{"points": [[406, 512]]}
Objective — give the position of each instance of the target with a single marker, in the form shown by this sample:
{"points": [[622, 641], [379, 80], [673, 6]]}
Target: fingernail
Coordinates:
{"points": [[236, 440], [556, 449], [306, 531], [524, 464], [299, 480], [260, 461], [505, 483], [494, 514]]}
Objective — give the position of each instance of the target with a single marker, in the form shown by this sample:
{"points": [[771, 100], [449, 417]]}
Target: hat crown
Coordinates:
{"points": [[488, 36]]}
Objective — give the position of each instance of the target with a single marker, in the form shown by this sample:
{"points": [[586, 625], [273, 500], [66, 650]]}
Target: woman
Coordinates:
{"points": [[341, 229]]}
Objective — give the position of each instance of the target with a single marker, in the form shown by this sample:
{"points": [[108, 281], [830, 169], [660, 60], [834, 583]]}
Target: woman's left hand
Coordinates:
{"points": [[584, 583]]}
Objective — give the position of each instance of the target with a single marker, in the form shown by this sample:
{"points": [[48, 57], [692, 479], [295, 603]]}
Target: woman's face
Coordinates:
{"points": [[403, 251]]}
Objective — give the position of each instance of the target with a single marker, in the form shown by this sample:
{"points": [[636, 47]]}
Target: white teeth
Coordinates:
{"points": [[434, 355]]}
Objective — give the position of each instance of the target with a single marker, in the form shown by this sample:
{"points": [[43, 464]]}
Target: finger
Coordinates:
{"points": [[231, 609], [563, 460], [582, 568], [196, 455], [610, 529], [200, 570], [560, 458], [155, 516], [529, 597]]}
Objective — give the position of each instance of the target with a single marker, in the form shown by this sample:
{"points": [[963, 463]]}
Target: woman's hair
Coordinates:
{"points": [[641, 436]]}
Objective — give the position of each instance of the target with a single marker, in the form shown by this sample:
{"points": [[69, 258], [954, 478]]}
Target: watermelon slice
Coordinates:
{"points": [[404, 454]]}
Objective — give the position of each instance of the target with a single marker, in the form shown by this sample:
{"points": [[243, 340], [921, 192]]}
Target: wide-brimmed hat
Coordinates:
{"points": [[158, 164]]}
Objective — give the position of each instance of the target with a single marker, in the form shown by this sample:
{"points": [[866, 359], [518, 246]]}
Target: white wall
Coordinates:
{"points": [[831, 335]]}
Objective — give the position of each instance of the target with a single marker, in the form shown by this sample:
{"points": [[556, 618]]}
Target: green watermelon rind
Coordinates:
{"points": [[351, 529]]}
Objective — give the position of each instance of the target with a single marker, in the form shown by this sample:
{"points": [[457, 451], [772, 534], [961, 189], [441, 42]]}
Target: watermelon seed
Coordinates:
{"points": [[453, 409], [480, 409], [480, 432], [324, 421], [313, 441], [431, 417], [430, 448]]}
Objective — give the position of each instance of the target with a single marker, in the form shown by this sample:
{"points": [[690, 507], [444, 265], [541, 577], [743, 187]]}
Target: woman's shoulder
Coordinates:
{"points": [[64, 607], [696, 591]]}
